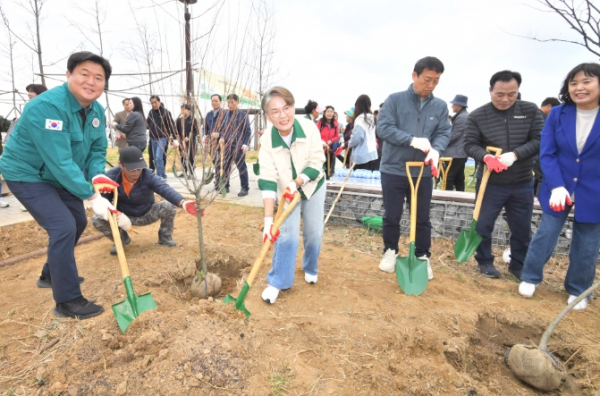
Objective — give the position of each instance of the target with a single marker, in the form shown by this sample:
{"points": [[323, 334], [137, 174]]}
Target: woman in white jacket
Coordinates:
{"points": [[291, 159], [363, 142]]}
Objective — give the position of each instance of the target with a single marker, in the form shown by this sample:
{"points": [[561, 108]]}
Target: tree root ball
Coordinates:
{"points": [[207, 286], [534, 367]]}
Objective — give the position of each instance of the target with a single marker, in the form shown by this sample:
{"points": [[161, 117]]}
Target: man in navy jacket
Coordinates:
{"points": [[136, 204]]}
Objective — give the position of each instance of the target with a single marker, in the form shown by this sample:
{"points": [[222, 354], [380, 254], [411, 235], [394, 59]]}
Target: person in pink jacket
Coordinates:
{"points": [[330, 134]]}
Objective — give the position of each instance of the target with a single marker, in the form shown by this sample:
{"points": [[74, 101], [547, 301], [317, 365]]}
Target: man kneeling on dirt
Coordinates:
{"points": [[136, 206]]}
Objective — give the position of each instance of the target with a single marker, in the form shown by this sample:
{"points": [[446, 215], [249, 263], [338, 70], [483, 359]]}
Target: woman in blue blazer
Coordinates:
{"points": [[570, 160]]}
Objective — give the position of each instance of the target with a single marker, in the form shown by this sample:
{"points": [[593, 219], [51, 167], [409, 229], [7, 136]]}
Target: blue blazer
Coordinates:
{"points": [[564, 166]]}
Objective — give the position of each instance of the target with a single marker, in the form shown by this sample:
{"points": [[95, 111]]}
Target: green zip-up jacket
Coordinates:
{"points": [[50, 144]]}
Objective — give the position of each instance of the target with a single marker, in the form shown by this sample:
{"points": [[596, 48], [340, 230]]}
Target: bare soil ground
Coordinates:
{"points": [[352, 333]]}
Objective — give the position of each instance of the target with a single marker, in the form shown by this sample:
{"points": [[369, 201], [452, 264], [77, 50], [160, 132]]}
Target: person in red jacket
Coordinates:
{"points": [[330, 134]]}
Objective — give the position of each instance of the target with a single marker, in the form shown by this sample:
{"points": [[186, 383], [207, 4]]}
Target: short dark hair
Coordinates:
{"points": [[218, 96], [505, 76], [381, 105], [79, 57], [155, 97], [186, 106], [36, 88], [376, 112], [550, 101], [233, 96], [125, 100], [310, 106], [589, 69], [429, 62]]}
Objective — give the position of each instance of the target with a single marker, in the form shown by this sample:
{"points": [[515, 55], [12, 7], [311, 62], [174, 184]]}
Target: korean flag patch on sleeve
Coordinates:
{"points": [[54, 125]]}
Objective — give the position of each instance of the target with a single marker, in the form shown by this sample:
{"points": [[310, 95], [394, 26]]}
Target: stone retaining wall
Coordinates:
{"points": [[451, 212]]}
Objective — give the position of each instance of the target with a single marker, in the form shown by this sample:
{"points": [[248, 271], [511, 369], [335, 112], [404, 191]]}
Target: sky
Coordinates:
{"points": [[329, 51]]}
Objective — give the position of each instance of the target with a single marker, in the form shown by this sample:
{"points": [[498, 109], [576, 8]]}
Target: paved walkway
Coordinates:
{"points": [[13, 214]]}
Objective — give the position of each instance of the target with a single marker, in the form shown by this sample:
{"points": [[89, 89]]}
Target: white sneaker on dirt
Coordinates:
{"points": [[429, 270], [388, 262], [3, 204], [270, 294], [310, 279], [580, 305], [527, 289]]}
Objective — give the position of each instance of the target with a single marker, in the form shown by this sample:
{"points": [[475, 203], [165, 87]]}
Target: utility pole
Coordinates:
{"points": [[189, 82]]}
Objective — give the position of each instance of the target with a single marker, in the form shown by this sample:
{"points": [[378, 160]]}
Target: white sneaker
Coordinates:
{"points": [[527, 289], [429, 270], [388, 262], [310, 279], [270, 294], [580, 305], [3, 204]]}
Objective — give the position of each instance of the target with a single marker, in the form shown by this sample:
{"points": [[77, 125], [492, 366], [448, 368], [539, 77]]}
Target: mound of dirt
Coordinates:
{"points": [[352, 333]]}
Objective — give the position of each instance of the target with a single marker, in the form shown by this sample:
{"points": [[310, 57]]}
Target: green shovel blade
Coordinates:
{"points": [[411, 272], [466, 243], [239, 301], [129, 309], [256, 168]]}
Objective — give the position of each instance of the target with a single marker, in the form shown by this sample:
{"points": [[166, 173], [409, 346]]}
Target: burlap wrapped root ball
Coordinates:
{"points": [[207, 286], [534, 367]]}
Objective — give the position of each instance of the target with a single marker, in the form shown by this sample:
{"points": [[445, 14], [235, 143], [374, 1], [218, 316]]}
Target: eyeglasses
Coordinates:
{"points": [[278, 113]]}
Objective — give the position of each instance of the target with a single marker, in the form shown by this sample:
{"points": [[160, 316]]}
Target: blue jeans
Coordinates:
{"points": [[63, 217], [158, 151], [583, 255], [517, 200], [312, 211]]}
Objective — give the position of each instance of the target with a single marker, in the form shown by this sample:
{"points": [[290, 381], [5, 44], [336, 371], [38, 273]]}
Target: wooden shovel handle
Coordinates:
{"points": [[112, 220], [339, 193], [267, 243], [222, 145], [484, 180], [445, 170], [413, 196]]}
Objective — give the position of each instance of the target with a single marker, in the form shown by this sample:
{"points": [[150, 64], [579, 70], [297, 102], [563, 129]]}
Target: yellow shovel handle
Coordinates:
{"points": [[267, 243], [445, 169], [413, 196], [484, 181]]}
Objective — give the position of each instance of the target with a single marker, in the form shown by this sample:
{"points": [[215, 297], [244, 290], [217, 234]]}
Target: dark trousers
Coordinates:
{"points": [[538, 175], [395, 189], [517, 201], [187, 157], [240, 162], [140, 145], [62, 215], [456, 175], [331, 164]]}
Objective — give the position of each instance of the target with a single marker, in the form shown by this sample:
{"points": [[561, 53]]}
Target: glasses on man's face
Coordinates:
{"points": [[278, 113]]}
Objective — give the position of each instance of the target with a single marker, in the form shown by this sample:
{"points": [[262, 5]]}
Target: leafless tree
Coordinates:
{"points": [[582, 16], [34, 7], [9, 51]]}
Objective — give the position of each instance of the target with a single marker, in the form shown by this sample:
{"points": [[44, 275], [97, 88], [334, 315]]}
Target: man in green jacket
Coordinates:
{"points": [[57, 147]]}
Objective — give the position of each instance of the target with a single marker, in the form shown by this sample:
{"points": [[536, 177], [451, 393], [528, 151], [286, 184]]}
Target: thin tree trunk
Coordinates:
{"points": [[39, 42]]}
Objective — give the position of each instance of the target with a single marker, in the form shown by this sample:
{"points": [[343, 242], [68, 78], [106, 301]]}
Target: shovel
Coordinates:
{"points": [[256, 165], [223, 188], [445, 169], [468, 241], [339, 193], [411, 272], [130, 308], [279, 218]]}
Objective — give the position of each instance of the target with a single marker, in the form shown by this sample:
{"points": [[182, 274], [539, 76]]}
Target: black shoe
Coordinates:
{"points": [[79, 308], [516, 272], [125, 239], [180, 175], [489, 271], [166, 240], [46, 282], [243, 193]]}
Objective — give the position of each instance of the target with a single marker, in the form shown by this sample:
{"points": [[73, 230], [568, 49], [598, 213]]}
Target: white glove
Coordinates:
{"points": [[433, 157], [244, 148], [123, 222], [325, 145], [559, 197], [421, 144], [113, 125], [507, 159], [101, 206], [267, 230], [175, 143]]}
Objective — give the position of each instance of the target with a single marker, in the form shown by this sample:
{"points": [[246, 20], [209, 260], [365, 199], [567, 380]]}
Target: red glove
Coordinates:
{"points": [[559, 197], [494, 164], [290, 191], [268, 230], [339, 151], [433, 157], [190, 207], [103, 179]]}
